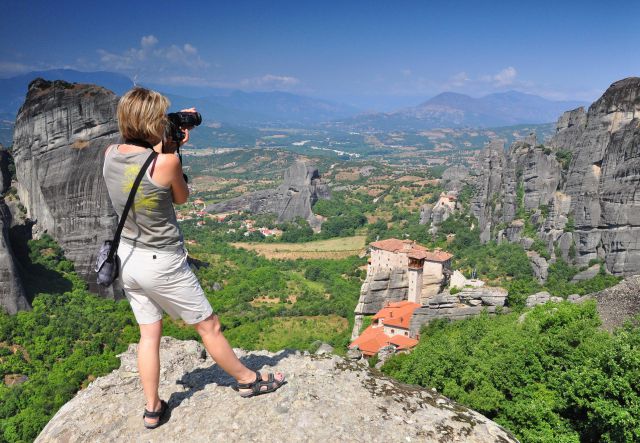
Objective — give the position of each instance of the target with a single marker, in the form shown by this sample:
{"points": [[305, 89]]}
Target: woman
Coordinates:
{"points": [[154, 269]]}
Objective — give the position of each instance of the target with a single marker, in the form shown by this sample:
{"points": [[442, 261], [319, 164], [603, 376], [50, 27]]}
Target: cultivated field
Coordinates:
{"points": [[335, 248]]}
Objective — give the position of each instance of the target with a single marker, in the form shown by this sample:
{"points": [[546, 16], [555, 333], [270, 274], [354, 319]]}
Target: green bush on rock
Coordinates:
{"points": [[551, 375]]}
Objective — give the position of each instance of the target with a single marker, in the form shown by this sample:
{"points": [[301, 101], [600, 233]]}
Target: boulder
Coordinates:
{"points": [[538, 298], [326, 398], [324, 348], [490, 296], [587, 274]]}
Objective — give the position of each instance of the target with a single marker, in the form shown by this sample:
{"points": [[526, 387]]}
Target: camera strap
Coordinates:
{"points": [[138, 142], [127, 206]]}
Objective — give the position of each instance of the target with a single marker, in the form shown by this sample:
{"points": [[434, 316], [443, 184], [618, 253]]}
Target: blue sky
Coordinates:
{"points": [[364, 52]]}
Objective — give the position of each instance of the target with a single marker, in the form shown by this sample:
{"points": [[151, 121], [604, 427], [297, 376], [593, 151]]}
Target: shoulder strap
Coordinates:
{"points": [[127, 206]]}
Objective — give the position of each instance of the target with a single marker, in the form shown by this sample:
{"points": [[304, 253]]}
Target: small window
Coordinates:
{"points": [[393, 331], [406, 333]]}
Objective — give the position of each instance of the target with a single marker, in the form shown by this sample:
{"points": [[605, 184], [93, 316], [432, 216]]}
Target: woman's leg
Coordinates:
{"points": [[220, 350], [149, 364]]}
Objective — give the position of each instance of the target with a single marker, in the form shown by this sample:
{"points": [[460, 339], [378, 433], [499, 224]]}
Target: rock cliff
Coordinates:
{"points": [[60, 135], [326, 399], [301, 188], [580, 190], [12, 294]]}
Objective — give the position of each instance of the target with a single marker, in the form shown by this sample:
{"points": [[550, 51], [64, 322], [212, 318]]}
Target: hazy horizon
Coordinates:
{"points": [[373, 56]]}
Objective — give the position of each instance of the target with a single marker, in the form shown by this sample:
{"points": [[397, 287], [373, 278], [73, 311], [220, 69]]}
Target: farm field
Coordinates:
{"points": [[335, 248]]}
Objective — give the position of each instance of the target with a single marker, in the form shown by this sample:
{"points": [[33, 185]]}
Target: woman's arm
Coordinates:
{"points": [[179, 188], [168, 172]]}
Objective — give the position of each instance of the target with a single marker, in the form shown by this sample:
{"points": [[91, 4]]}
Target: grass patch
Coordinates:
{"points": [[278, 333], [335, 248]]}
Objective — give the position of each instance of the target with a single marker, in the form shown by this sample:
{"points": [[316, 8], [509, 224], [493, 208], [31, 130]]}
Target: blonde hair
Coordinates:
{"points": [[142, 115]]}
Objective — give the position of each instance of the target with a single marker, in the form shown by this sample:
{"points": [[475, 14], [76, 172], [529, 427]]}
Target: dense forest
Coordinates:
{"points": [[549, 374]]}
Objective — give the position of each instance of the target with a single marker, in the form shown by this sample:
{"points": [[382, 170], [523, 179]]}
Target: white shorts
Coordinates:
{"points": [[159, 280]]}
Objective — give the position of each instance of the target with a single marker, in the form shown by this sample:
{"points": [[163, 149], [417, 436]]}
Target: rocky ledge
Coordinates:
{"points": [[326, 398]]}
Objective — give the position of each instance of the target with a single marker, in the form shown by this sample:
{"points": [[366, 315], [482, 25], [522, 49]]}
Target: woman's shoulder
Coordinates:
{"points": [[167, 161], [166, 168]]}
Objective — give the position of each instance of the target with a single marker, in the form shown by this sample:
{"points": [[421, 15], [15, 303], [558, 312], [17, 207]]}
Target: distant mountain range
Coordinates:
{"points": [[255, 109], [451, 109], [13, 90], [222, 105]]}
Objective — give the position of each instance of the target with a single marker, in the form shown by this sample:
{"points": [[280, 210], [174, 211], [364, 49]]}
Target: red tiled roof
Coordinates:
{"points": [[397, 314], [417, 254], [403, 342], [373, 339], [412, 249], [393, 245], [438, 256]]}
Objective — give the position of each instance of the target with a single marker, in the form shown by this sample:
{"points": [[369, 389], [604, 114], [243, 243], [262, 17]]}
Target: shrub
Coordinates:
{"points": [[552, 376]]}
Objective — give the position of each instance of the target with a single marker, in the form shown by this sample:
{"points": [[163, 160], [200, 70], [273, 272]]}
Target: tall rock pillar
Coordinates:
{"points": [[415, 271]]}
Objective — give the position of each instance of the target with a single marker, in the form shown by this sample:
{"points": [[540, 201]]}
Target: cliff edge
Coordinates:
{"points": [[326, 398]]}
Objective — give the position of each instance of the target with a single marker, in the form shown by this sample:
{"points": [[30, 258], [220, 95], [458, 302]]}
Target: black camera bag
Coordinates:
{"points": [[107, 265]]}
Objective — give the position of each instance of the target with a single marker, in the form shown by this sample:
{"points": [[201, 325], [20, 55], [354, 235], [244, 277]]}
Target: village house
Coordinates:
{"points": [[389, 327]]}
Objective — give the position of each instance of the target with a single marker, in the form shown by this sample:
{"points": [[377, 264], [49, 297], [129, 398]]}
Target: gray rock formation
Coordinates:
{"points": [[301, 188], [530, 167], [454, 177], [381, 287], [586, 175], [467, 303], [425, 213], [326, 399], [5, 175], [12, 294], [59, 139], [539, 265], [587, 274], [538, 298]]}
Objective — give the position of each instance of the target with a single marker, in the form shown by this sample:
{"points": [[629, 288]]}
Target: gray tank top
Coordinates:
{"points": [[151, 222]]}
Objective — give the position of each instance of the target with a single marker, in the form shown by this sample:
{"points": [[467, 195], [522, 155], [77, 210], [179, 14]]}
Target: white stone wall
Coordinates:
{"points": [[395, 330], [415, 285], [433, 270], [381, 259]]}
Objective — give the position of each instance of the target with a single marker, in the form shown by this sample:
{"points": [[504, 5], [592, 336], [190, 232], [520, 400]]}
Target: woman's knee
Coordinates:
{"points": [[210, 325], [151, 331]]}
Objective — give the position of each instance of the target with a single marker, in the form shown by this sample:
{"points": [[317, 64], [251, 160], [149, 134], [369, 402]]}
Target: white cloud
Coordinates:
{"points": [[458, 80], [148, 41], [270, 81], [13, 68], [505, 77], [151, 58]]}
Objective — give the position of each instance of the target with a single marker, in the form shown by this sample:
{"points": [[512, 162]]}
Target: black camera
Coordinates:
{"points": [[179, 121]]}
